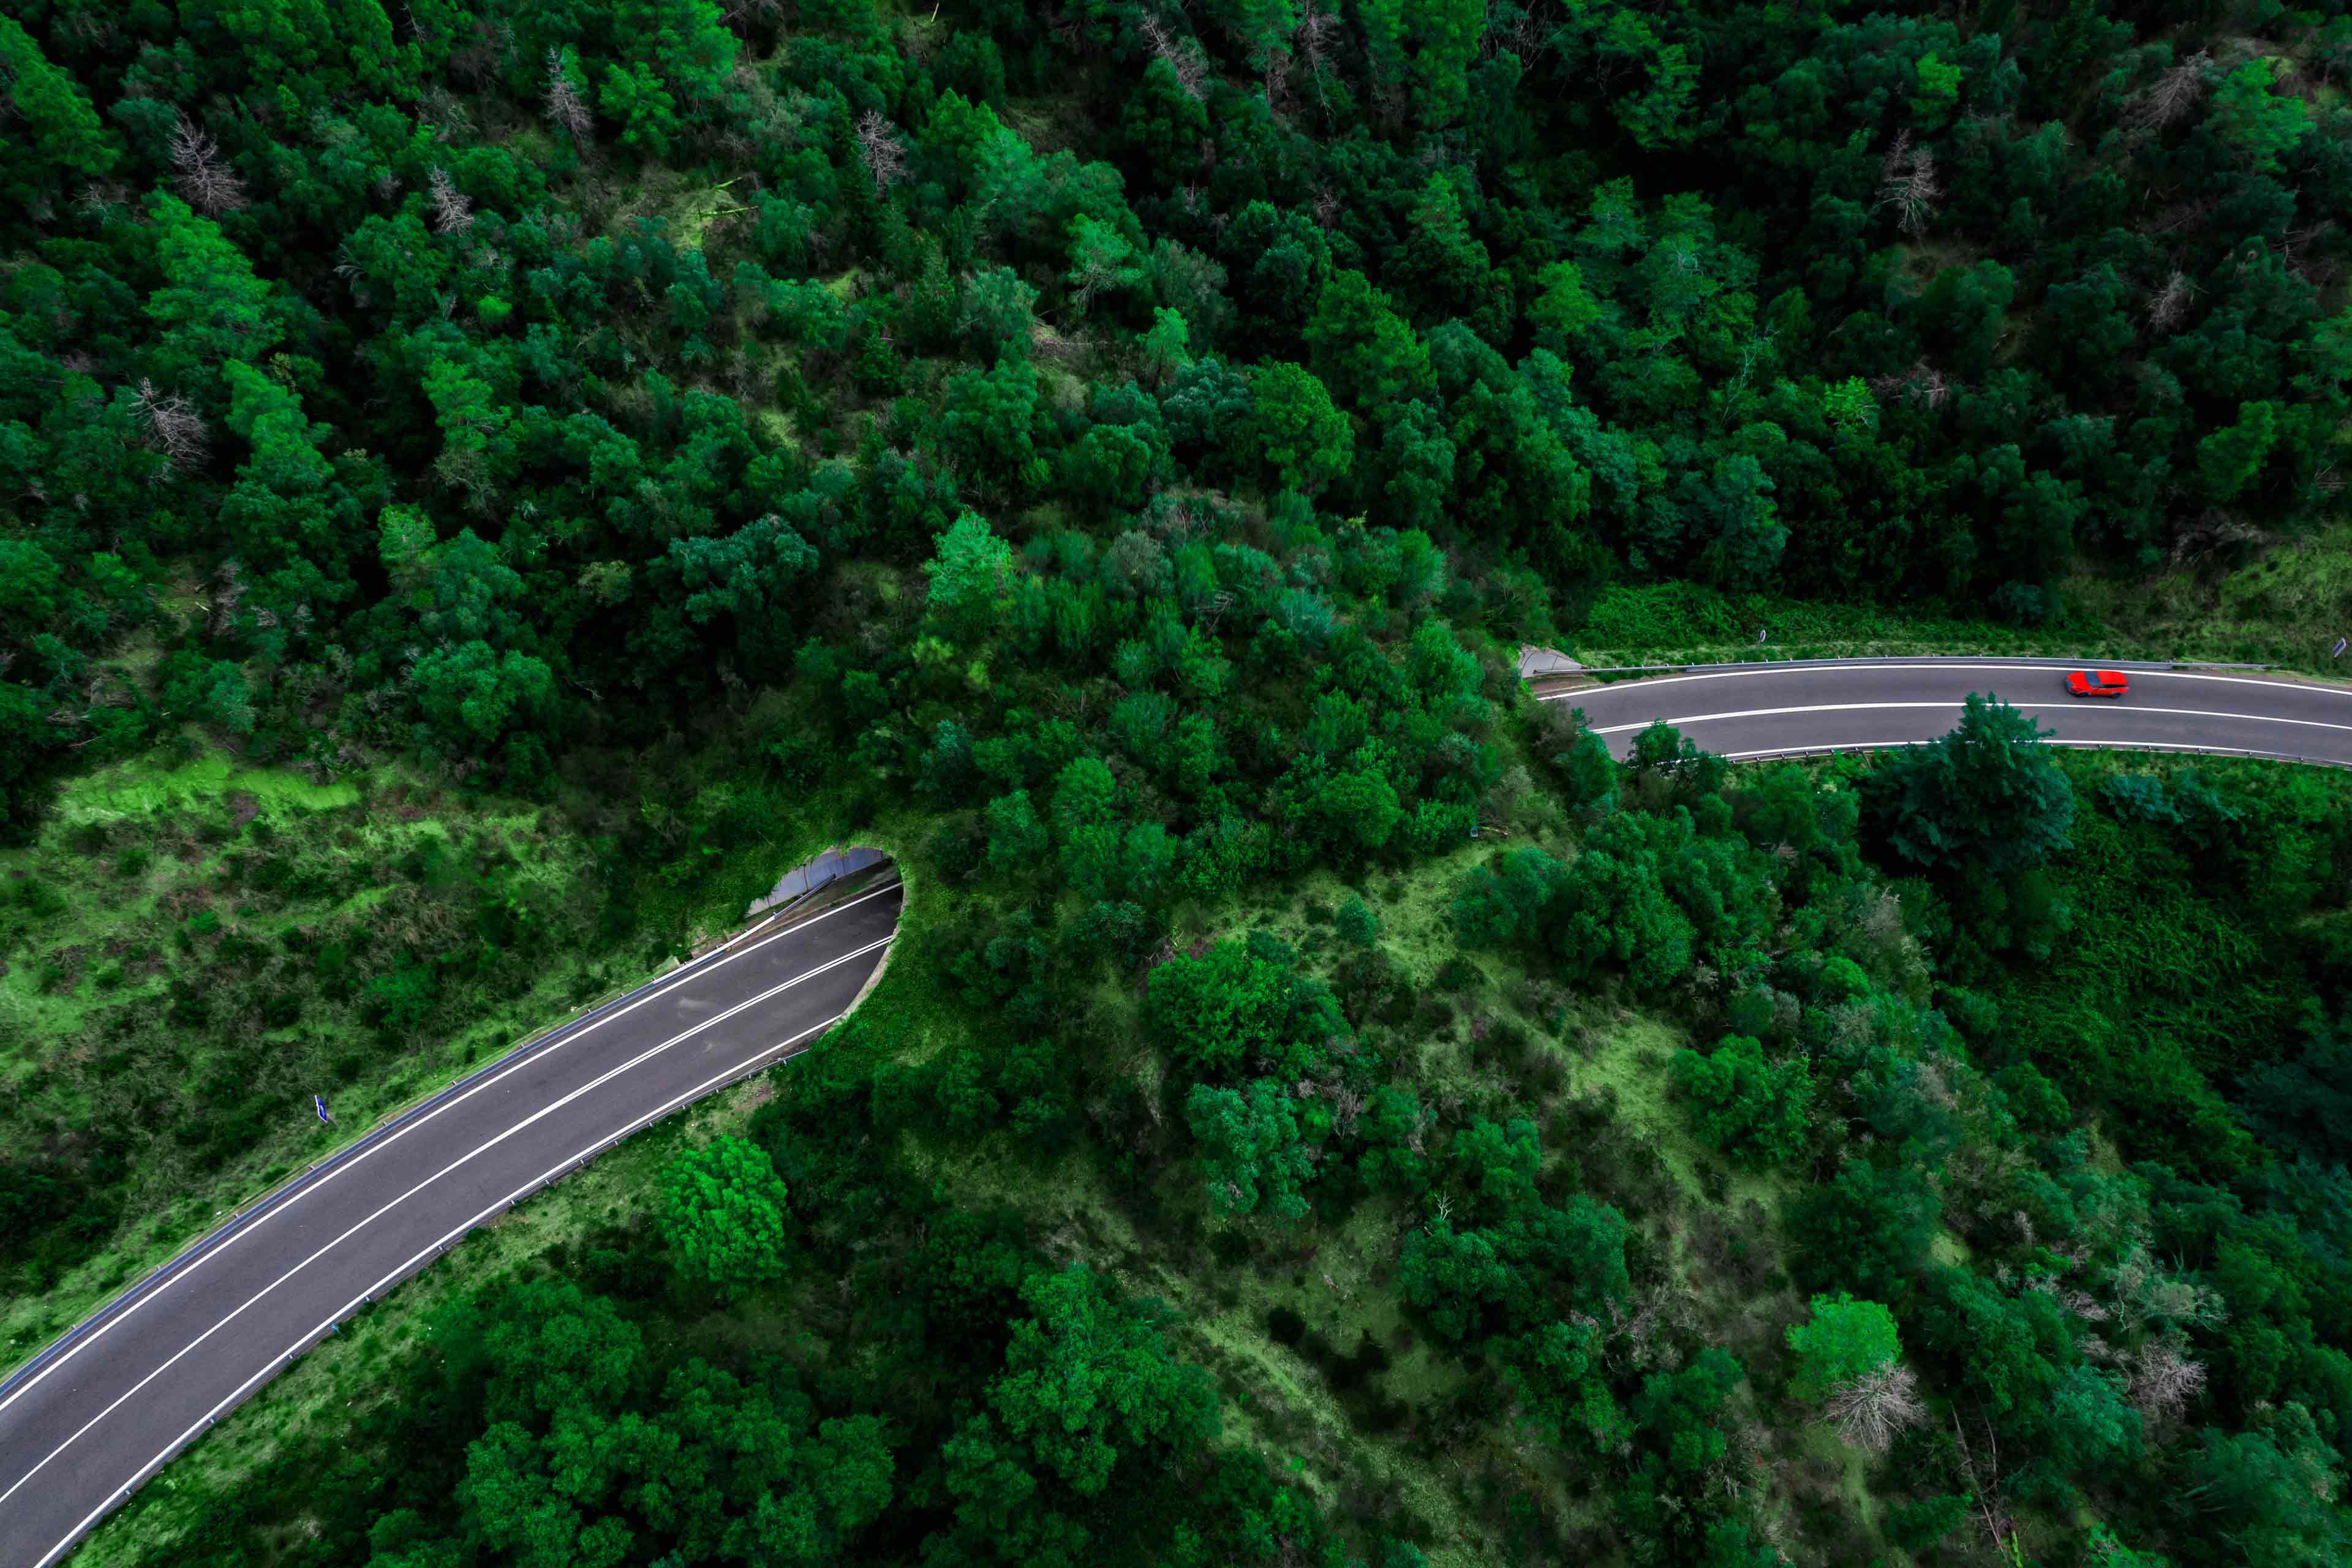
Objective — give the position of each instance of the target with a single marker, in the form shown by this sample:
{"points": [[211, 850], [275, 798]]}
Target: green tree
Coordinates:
{"points": [[1241, 1003], [1866, 1230], [1089, 1381], [1448, 33], [1358, 810], [723, 1214], [1167, 347], [1294, 433], [1563, 310], [2261, 124], [211, 306], [1918, 1527], [2230, 458], [1752, 1109], [1254, 1156], [1016, 839], [970, 576], [1102, 260], [471, 694], [1986, 799], [1843, 1340], [61, 130], [1363, 350], [988, 424]]}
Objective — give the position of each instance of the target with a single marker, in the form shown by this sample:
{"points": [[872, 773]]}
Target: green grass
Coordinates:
{"points": [[1446, 1483], [2286, 608]]}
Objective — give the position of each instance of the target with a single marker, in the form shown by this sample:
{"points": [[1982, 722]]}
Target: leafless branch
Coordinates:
{"points": [[173, 425], [2171, 95], [1871, 1410], [1909, 185], [2170, 303], [453, 209], [205, 179], [880, 147], [1182, 55], [565, 106]]}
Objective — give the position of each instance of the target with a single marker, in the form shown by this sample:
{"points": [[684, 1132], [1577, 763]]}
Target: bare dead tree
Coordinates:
{"points": [[2168, 304], [2171, 95], [1182, 55], [762, 10], [1923, 383], [447, 113], [205, 179], [1318, 30], [566, 109], [2164, 1380], [229, 591], [98, 195], [174, 426], [1909, 185], [1982, 1468], [2296, 245], [453, 209], [1274, 81], [881, 151], [1870, 1411]]}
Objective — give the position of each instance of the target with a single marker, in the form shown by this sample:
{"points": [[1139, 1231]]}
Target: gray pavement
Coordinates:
{"points": [[1750, 711], [86, 1422]]}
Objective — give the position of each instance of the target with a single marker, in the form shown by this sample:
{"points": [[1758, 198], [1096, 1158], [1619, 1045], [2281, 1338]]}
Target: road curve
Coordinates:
{"points": [[1758, 711], [102, 1409]]}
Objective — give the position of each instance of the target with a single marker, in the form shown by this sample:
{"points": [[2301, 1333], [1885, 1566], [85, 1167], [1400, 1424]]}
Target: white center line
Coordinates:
{"points": [[545, 1110], [1886, 707], [654, 991], [1746, 673], [157, 1463]]}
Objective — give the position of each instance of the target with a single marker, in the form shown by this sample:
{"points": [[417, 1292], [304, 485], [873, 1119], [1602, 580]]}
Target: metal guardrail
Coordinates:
{"points": [[2033, 660]]}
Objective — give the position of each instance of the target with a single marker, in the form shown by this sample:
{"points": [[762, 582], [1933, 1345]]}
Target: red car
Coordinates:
{"points": [[2097, 683]]}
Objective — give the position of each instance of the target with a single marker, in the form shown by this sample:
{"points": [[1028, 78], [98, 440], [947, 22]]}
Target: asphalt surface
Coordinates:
{"points": [[105, 1407], [1758, 711]]}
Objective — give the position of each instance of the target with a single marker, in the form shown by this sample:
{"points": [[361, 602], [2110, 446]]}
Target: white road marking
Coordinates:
{"points": [[654, 990], [1886, 707], [548, 1110], [1745, 672], [277, 1361]]}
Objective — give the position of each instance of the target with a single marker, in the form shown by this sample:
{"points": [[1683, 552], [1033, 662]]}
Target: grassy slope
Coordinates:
{"points": [[69, 969], [2286, 607]]}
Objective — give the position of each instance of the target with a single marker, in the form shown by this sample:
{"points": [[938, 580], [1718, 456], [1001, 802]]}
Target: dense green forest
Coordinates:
{"points": [[1110, 453]]}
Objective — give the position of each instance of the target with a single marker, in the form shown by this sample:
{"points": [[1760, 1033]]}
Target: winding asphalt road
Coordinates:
{"points": [[1758, 711], [101, 1410]]}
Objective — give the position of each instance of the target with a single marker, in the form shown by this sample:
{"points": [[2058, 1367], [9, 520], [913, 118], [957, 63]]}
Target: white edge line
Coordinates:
{"points": [[280, 1361], [1884, 707], [1745, 672], [353, 1229], [661, 985]]}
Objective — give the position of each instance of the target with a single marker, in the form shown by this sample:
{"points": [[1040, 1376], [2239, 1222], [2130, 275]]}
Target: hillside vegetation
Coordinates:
{"points": [[1325, 1110]]}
